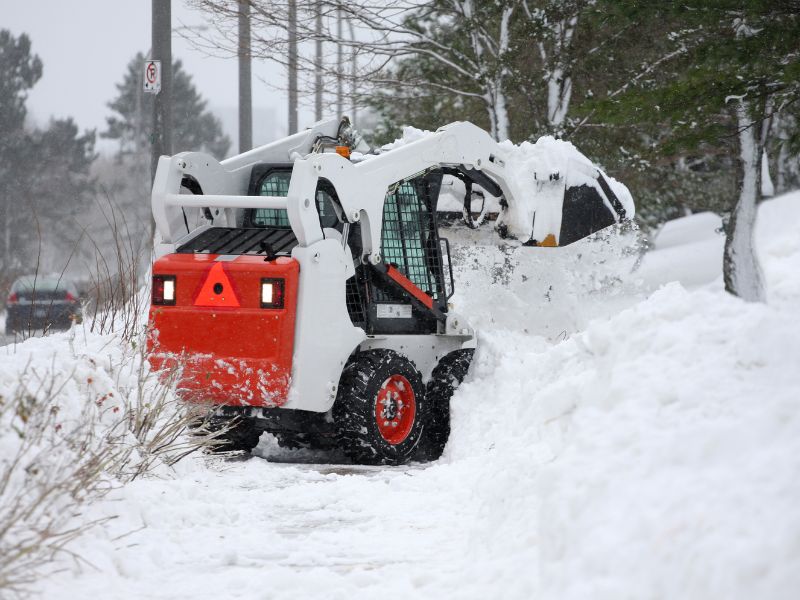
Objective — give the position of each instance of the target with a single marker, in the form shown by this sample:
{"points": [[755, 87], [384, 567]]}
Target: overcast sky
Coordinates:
{"points": [[85, 46]]}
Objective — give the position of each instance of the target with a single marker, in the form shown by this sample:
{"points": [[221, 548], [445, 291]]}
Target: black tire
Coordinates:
{"points": [[243, 436], [356, 415], [445, 379], [10, 328], [295, 440]]}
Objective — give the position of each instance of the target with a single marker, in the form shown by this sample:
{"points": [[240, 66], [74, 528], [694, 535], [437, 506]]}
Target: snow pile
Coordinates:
{"points": [[655, 454], [80, 414], [690, 249], [552, 292]]}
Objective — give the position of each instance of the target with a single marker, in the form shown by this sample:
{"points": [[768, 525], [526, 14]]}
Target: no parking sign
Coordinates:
{"points": [[152, 76]]}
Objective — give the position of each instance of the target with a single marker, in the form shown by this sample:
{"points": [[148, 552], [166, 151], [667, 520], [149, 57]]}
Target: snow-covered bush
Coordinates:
{"points": [[79, 415]]}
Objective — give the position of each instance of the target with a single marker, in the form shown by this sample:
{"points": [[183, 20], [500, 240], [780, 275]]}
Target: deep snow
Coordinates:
{"points": [[615, 439]]}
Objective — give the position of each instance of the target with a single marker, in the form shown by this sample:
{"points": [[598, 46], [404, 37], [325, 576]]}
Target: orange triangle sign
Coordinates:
{"points": [[217, 289]]}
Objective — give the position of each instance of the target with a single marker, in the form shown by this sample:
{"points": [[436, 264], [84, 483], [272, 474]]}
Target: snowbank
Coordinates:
{"points": [[690, 249], [653, 455]]}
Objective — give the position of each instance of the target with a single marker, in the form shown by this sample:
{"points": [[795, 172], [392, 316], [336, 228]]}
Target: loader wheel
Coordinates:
{"points": [[445, 379], [242, 437], [380, 408]]}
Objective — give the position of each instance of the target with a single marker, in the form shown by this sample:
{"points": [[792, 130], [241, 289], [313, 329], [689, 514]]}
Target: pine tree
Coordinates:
{"points": [[195, 127], [731, 66], [44, 173]]}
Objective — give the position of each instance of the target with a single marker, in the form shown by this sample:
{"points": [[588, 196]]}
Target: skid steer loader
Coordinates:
{"points": [[305, 291]]}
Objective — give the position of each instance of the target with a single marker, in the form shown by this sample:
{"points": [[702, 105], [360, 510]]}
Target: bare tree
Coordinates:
{"points": [[380, 34]]}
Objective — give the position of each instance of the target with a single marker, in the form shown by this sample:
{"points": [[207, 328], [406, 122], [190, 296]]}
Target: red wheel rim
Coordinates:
{"points": [[395, 409]]}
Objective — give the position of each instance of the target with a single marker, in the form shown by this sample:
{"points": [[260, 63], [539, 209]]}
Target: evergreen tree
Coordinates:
{"points": [[194, 127], [44, 173]]}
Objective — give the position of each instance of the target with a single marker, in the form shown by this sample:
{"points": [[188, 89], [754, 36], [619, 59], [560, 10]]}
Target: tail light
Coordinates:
{"points": [[164, 290], [272, 293], [13, 298], [71, 298]]}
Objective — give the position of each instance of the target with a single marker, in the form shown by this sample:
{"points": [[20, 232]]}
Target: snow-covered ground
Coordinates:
{"points": [[621, 435]]}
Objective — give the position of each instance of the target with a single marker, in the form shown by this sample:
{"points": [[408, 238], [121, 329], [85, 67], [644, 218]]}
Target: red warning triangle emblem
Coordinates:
{"points": [[217, 289]]}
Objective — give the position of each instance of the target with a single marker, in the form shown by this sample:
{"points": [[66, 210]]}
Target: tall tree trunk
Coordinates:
{"points": [[782, 127], [339, 65], [496, 108], [318, 63], [353, 75], [559, 82], [292, 66], [740, 267], [494, 94]]}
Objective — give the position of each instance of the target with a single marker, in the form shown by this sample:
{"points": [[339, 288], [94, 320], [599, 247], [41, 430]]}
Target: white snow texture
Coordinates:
{"points": [[620, 436]]}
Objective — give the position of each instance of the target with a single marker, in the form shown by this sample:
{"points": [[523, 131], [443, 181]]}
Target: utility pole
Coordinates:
{"points": [[318, 65], [245, 79], [292, 66], [161, 142]]}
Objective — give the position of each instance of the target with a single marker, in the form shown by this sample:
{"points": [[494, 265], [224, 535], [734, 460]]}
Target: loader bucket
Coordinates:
{"points": [[587, 210], [555, 196]]}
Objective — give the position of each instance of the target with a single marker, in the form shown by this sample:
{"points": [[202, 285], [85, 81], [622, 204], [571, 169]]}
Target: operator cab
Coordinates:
{"points": [[265, 230], [410, 244]]}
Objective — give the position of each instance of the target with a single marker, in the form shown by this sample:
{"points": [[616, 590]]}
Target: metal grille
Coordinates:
{"points": [[230, 240], [353, 299], [274, 184], [407, 228]]}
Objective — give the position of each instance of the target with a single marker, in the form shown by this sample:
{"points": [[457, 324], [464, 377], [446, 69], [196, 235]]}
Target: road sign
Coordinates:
{"points": [[152, 76]]}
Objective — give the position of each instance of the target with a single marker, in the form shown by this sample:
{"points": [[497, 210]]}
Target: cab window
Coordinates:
{"points": [[276, 183]]}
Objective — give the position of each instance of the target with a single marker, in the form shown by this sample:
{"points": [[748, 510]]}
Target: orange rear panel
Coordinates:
{"points": [[231, 350]]}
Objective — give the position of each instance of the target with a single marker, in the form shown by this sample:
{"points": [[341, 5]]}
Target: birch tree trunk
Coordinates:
{"points": [[559, 82], [740, 267], [492, 80]]}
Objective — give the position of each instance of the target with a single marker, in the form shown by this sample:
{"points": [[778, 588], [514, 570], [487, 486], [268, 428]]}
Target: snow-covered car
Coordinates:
{"points": [[49, 302]]}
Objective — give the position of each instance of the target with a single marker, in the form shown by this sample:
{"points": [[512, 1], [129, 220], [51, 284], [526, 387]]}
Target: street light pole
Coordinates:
{"points": [[161, 142]]}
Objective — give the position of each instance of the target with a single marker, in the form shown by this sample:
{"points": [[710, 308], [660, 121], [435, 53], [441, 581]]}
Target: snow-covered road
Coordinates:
{"points": [[261, 529]]}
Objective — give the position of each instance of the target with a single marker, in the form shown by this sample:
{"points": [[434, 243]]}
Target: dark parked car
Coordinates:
{"points": [[49, 302]]}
